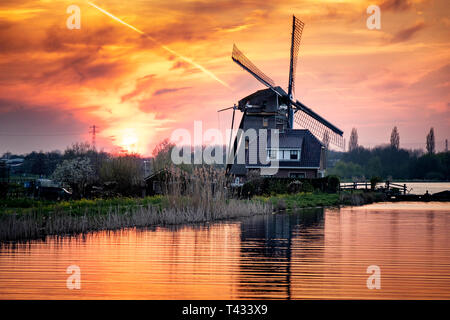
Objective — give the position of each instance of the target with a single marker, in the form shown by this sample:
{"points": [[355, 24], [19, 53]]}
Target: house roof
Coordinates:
{"points": [[302, 139], [155, 174], [291, 140]]}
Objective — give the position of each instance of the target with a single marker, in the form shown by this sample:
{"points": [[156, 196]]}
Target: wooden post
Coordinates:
{"points": [[404, 189]]}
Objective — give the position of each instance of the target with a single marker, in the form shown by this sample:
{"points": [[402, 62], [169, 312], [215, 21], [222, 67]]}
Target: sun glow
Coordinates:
{"points": [[129, 141]]}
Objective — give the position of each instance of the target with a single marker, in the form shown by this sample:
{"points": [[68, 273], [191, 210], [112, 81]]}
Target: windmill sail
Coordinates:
{"points": [[297, 29], [298, 112], [247, 65], [310, 120]]}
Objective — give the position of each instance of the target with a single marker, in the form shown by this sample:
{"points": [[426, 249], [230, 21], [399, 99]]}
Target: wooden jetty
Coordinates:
{"points": [[395, 191]]}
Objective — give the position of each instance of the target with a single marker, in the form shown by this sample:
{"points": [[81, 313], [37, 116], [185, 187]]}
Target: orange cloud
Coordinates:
{"points": [[108, 75]]}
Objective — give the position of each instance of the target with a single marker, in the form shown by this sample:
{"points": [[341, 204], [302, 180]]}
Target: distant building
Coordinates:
{"points": [[14, 164]]}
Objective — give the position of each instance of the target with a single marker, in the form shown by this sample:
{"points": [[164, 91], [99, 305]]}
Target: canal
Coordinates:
{"points": [[315, 254]]}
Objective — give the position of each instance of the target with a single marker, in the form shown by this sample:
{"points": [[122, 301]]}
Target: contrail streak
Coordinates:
{"points": [[186, 59]]}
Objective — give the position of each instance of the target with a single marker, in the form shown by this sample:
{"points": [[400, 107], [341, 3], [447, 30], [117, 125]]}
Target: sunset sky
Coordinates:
{"points": [[56, 82]]}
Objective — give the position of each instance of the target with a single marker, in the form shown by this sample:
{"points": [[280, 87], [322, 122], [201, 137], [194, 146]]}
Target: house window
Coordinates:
{"points": [[293, 155], [272, 154], [265, 122], [285, 155], [297, 175], [246, 143]]}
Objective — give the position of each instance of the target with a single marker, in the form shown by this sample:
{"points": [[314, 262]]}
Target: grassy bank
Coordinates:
{"points": [[300, 200], [293, 202], [22, 219], [27, 219]]}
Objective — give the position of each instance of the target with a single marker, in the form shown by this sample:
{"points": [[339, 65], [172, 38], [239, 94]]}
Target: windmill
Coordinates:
{"points": [[286, 109]]}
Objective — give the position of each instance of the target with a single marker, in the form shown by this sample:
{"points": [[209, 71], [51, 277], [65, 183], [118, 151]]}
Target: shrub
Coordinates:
{"points": [[77, 173], [373, 182], [295, 186], [272, 186], [333, 183], [123, 173]]}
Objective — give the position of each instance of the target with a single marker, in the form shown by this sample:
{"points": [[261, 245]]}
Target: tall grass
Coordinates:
{"points": [[301, 200], [203, 189], [191, 197], [32, 225]]}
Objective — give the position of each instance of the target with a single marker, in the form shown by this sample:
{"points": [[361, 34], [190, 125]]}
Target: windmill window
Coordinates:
{"points": [[246, 143], [265, 122], [294, 155]]}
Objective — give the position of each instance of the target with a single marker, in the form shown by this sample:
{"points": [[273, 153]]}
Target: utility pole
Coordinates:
{"points": [[93, 130]]}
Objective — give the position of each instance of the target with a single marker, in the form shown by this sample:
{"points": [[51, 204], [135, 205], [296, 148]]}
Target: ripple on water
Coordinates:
{"points": [[315, 254]]}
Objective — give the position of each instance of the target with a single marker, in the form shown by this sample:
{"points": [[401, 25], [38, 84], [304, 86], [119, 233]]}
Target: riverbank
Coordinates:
{"points": [[26, 219], [293, 202]]}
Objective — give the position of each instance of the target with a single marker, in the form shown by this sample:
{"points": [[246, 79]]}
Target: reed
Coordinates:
{"points": [[191, 197], [33, 225]]}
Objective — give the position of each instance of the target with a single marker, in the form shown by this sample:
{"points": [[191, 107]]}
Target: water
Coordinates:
{"points": [[421, 187], [315, 254]]}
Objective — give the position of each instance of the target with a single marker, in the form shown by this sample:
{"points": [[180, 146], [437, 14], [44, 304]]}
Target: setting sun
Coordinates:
{"points": [[129, 142]]}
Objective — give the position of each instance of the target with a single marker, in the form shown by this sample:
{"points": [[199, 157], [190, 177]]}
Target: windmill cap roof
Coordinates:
{"points": [[262, 92]]}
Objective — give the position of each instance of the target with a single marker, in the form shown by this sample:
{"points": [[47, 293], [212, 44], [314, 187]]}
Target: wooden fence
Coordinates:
{"points": [[366, 185]]}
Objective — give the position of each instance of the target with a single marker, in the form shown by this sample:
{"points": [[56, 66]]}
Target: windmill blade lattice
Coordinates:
{"points": [[247, 65], [297, 29], [318, 129], [304, 116]]}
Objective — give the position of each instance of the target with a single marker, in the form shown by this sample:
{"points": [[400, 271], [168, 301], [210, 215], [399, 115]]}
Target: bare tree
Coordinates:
{"points": [[127, 171], [446, 145], [395, 138], [353, 143], [161, 155], [431, 144]]}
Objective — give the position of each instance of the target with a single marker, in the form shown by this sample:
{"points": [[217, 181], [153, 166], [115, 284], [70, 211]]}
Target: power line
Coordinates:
{"points": [[93, 130], [7, 134]]}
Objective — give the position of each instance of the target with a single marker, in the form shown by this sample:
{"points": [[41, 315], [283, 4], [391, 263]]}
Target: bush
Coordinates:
{"points": [[124, 174], [373, 182], [249, 189], [333, 183], [433, 175], [295, 187], [272, 186], [78, 173]]}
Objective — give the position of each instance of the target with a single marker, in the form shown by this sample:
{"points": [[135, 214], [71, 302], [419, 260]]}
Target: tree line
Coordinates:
{"points": [[391, 161], [84, 170]]}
